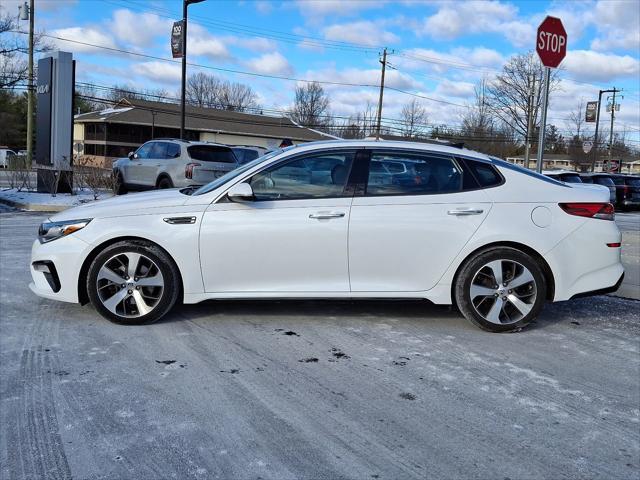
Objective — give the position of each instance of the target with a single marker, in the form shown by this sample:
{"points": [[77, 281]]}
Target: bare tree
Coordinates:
{"points": [[203, 90], [206, 90], [238, 97], [13, 50], [576, 118], [310, 106], [508, 93], [414, 118]]}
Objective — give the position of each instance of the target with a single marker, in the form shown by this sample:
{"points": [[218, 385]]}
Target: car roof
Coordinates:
{"points": [[392, 144]]}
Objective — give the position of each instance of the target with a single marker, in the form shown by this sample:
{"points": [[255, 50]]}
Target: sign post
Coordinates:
{"points": [[551, 45]]}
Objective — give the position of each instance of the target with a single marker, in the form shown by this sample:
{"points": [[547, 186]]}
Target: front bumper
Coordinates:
{"points": [[55, 267]]}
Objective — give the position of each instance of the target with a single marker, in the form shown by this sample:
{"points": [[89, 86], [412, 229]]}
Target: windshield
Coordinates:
{"points": [[234, 173]]}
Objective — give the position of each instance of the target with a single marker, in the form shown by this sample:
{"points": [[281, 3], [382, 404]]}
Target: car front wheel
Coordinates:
{"points": [[501, 289], [133, 283]]}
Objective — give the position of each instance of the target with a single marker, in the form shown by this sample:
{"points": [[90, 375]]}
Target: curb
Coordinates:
{"points": [[34, 207]]}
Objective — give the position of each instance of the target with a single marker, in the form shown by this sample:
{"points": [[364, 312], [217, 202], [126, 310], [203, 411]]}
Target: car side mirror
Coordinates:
{"points": [[240, 192], [131, 155]]}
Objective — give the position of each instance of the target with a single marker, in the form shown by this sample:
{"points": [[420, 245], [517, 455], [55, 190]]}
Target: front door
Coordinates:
{"points": [[413, 218], [292, 238]]}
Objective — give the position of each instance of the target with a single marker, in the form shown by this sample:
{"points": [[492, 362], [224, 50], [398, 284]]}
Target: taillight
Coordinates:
{"points": [[188, 169], [626, 191], [603, 211]]}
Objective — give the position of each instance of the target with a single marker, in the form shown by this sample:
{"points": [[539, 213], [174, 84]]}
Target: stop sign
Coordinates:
{"points": [[551, 43]]}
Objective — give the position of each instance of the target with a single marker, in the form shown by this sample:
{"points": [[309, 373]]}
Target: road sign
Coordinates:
{"points": [[591, 112], [587, 145], [551, 43], [612, 166]]}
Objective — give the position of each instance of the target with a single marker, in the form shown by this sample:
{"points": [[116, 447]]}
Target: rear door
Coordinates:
{"points": [[150, 166], [210, 162], [404, 235]]}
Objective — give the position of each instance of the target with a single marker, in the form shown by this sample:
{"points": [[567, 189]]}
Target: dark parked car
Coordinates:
{"points": [[627, 191], [563, 176], [601, 179]]}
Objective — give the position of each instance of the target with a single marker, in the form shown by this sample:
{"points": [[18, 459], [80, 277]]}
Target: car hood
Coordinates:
{"points": [[123, 205]]}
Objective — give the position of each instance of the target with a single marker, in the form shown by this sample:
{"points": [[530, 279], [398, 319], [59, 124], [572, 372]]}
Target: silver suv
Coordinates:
{"points": [[170, 163]]}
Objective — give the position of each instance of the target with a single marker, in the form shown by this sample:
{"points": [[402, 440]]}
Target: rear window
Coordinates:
{"points": [[571, 178], [604, 181], [634, 182], [485, 174], [245, 155], [211, 153]]}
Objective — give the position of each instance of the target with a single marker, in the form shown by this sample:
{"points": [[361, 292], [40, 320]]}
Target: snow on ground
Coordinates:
{"points": [[65, 200]]}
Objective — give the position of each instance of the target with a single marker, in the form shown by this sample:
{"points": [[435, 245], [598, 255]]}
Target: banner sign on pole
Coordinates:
{"points": [[177, 39], [591, 112]]}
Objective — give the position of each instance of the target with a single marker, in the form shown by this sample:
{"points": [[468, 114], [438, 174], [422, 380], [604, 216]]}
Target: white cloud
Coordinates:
{"points": [[161, 72], [201, 42], [441, 62], [315, 8], [454, 19], [618, 23], [270, 64], [448, 88], [362, 32], [87, 35], [587, 65], [264, 7], [138, 29], [258, 44]]}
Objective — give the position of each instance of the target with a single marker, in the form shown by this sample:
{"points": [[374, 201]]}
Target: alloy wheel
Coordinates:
{"points": [[503, 292], [130, 284]]}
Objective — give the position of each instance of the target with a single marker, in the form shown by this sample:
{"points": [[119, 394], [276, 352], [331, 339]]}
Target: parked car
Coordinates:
{"points": [[627, 191], [245, 153], [603, 179], [563, 175], [498, 242], [169, 163], [5, 154]]}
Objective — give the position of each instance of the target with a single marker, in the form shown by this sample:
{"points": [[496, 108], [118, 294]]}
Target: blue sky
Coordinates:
{"points": [[442, 49]]}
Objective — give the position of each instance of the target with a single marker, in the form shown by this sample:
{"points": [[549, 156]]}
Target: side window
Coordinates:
{"points": [[173, 150], [412, 174], [144, 151], [304, 178], [485, 174], [159, 150]]}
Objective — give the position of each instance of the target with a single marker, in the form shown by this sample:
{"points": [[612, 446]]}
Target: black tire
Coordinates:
{"points": [[507, 256], [166, 265], [120, 187], [164, 182]]}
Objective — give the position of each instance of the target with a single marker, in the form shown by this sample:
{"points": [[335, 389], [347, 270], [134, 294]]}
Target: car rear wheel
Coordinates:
{"points": [[165, 182], [133, 283], [501, 289]]}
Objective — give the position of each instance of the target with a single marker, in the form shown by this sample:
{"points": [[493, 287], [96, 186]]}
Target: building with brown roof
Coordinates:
{"points": [[114, 132]]}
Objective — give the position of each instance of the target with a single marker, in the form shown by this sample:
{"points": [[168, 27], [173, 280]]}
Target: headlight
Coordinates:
{"points": [[49, 231]]}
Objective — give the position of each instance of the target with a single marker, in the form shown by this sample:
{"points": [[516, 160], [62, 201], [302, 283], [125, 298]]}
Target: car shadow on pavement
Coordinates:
{"points": [[592, 311]]}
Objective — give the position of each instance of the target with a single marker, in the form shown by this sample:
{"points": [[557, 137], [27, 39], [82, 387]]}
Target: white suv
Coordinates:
{"points": [[170, 163]]}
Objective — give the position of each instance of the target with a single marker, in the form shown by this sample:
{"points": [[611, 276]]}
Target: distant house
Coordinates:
{"points": [[114, 132], [564, 162]]}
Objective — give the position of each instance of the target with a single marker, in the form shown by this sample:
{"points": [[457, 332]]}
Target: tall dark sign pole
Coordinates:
{"points": [[551, 45], [179, 50]]}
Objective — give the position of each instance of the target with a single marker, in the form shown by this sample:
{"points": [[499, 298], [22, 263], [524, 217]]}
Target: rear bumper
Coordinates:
{"points": [[601, 291]]}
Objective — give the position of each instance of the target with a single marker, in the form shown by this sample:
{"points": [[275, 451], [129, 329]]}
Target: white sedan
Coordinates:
{"points": [[340, 219]]}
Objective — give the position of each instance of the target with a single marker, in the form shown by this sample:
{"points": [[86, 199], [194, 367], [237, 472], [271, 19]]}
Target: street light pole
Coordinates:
{"points": [[185, 4], [27, 12]]}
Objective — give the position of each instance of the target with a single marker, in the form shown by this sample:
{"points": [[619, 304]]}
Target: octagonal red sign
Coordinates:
{"points": [[551, 42]]}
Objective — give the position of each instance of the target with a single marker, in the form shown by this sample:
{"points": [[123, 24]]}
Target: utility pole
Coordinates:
{"points": [[384, 66], [543, 120], [613, 109], [530, 104], [594, 157], [27, 12]]}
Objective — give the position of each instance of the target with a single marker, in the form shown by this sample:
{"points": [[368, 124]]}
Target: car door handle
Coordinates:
{"points": [[465, 211], [326, 215]]}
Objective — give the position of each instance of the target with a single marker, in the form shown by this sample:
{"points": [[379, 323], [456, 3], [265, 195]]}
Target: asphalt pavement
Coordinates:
{"points": [[311, 390]]}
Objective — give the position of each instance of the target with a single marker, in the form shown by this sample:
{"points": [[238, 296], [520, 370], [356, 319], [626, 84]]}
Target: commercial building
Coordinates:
{"points": [[114, 132]]}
